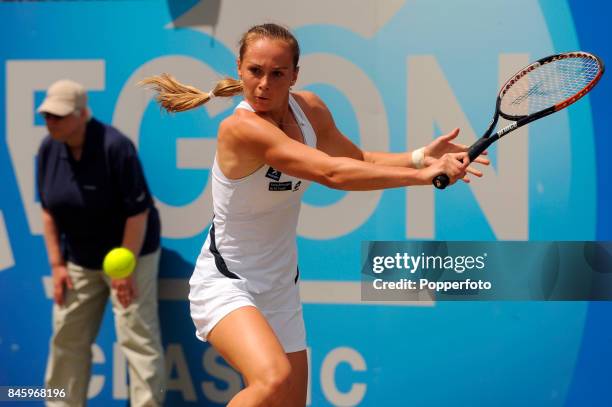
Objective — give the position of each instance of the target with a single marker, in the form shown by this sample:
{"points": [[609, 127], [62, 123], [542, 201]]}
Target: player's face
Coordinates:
{"points": [[267, 72]]}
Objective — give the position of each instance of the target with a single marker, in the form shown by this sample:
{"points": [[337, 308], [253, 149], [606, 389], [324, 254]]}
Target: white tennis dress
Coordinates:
{"points": [[250, 254]]}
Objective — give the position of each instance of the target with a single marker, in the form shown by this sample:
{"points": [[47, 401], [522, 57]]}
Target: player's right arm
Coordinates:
{"points": [[61, 280]]}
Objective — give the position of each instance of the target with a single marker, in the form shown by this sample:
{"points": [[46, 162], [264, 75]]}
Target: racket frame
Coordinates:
{"points": [[441, 181]]}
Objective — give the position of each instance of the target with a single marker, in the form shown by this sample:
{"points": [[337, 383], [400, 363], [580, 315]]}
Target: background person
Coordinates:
{"points": [[95, 198]]}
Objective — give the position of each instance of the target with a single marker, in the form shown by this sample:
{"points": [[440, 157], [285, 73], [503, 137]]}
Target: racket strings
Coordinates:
{"points": [[548, 85]]}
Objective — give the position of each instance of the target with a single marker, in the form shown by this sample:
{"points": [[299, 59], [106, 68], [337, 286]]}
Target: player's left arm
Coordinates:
{"points": [[331, 141]]}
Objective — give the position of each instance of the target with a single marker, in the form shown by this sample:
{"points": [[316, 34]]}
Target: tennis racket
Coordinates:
{"points": [[542, 88]]}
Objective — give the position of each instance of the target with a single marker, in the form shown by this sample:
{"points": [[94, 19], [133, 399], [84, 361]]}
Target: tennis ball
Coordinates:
{"points": [[119, 263]]}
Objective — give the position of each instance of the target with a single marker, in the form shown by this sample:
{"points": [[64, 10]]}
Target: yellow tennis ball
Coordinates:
{"points": [[119, 263]]}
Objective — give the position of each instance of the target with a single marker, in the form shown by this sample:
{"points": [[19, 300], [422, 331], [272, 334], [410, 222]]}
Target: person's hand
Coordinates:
{"points": [[125, 288], [444, 145], [454, 165], [61, 282]]}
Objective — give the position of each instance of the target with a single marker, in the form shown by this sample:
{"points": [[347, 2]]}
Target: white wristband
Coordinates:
{"points": [[418, 158]]}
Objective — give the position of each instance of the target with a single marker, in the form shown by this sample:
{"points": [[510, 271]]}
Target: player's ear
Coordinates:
{"points": [[239, 65], [296, 71]]}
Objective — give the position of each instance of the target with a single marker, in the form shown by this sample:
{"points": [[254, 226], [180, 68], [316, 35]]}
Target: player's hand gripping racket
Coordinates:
{"points": [[542, 88]]}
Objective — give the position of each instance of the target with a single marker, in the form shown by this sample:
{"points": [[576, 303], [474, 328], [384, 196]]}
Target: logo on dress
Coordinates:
{"points": [[297, 186], [273, 174], [280, 186]]}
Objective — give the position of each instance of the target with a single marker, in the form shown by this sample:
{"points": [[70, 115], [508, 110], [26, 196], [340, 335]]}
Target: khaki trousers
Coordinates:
{"points": [[76, 325]]}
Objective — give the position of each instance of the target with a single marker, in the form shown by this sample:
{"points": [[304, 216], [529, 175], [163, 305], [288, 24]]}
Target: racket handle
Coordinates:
{"points": [[441, 181], [479, 146]]}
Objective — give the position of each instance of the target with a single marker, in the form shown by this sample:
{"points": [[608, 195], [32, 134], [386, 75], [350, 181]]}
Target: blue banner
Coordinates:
{"points": [[395, 75]]}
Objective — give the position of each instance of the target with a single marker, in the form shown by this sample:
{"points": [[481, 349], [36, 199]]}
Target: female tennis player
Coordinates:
{"points": [[244, 290]]}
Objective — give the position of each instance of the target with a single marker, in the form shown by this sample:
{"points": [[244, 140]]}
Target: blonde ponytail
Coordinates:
{"points": [[177, 97]]}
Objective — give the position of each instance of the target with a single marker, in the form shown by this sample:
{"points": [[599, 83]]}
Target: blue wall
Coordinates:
{"points": [[497, 353]]}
